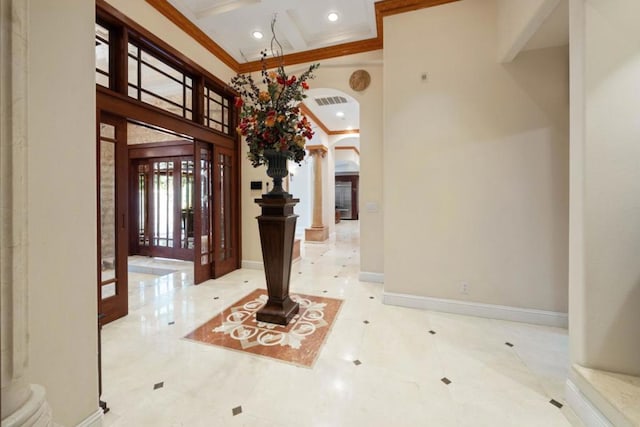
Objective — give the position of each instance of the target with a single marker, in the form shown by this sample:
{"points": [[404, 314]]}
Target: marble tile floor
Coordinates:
{"points": [[380, 365]]}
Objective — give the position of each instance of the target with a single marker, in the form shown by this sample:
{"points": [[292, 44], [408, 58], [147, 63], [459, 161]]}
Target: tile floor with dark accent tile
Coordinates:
{"points": [[398, 381]]}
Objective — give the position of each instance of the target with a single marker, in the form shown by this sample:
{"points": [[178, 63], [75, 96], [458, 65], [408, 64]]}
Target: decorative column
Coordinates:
{"points": [[318, 231], [22, 403]]}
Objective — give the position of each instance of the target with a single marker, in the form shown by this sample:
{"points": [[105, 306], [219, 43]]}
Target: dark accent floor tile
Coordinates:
{"points": [[158, 385], [335, 277], [371, 297], [246, 281], [172, 323], [299, 272], [432, 332], [366, 322], [237, 410], [508, 344], [357, 362], [216, 297], [344, 265], [324, 292], [556, 403], [446, 380]]}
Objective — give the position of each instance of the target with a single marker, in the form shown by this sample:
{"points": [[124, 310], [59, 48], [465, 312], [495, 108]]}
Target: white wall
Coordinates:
{"points": [[475, 162], [62, 207], [301, 186], [605, 204]]}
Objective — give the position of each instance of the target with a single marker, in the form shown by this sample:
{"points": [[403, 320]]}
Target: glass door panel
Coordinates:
{"points": [[112, 225], [204, 259], [225, 212], [187, 180]]}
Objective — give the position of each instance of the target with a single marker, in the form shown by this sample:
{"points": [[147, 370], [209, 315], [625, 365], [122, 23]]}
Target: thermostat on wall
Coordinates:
{"points": [[256, 185]]}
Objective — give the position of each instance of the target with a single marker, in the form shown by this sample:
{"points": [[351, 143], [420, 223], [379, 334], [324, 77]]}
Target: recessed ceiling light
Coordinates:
{"points": [[340, 114], [332, 16], [257, 35]]}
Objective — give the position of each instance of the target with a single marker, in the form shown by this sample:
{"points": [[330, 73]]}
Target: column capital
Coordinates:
{"points": [[319, 149]]}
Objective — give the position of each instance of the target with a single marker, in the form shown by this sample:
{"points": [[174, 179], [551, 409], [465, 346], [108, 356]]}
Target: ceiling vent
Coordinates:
{"points": [[331, 100]]}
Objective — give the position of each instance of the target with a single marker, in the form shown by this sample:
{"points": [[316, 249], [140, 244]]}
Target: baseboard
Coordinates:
{"points": [[252, 265], [583, 408], [502, 312], [366, 276], [94, 420]]}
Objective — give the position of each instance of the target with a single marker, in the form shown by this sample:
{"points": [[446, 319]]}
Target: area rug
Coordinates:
{"points": [[299, 342]]}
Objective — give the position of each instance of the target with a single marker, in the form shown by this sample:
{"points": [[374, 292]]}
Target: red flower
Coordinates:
{"points": [[239, 102], [291, 81], [280, 80], [305, 85]]}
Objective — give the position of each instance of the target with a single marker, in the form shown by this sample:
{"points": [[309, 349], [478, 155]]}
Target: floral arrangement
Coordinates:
{"points": [[269, 114]]}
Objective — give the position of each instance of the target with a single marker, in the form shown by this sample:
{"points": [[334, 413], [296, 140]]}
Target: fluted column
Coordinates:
{"points": [[23, 404], [318, 231]]}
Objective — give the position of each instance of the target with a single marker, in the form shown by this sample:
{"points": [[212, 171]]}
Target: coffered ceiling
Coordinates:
{"points": [[301, 25]]}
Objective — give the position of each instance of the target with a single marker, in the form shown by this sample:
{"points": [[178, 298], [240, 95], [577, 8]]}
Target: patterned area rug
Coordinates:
{"points": [[299, 342]]}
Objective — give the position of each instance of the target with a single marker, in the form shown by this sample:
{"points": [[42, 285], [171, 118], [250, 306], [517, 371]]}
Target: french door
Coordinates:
{"points": [[217, 235], [163, 195], [112, 203]]}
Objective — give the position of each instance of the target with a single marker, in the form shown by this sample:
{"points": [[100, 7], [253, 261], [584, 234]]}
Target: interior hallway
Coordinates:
{"points": [[154, 377]]}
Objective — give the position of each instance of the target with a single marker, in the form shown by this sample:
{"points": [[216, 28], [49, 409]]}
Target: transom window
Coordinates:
{"points": [[216, 110], [159, 84], [151, 74]]}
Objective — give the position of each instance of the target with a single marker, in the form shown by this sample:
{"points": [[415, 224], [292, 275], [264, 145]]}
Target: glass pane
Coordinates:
{"points": [[224, 169], [161, 103], [107, 131], [186, 205], [132, 64], [163, 203], [159, 84], [143, 238], [161, 66], [205, 194], [102, 55], [102, 80], [108, 290], [107, 210]]}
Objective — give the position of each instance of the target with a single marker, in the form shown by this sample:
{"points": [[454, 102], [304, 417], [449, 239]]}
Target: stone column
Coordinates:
{"points": [[23, 404], [318, 231]]}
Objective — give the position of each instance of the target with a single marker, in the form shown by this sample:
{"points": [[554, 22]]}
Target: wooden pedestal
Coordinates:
{"points": [[277, 226]]}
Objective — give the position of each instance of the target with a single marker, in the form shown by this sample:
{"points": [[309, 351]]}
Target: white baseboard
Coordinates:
{"points": [[366, 276], [252, 265], [582, 406], [491, 311], [94, 420]]}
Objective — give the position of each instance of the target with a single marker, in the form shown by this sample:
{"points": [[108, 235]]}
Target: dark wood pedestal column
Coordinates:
{"points": [[277, 226]]}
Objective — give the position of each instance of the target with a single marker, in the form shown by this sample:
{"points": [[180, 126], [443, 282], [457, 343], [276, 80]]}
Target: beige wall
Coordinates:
{"points": [[144, 14], [518, 20], [605, 222], [475, 162], [62, 207]]}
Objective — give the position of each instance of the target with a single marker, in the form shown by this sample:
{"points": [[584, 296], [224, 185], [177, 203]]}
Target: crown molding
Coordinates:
{"points": [[307, 112], [348, 147], [382, 8], [185, 24]]}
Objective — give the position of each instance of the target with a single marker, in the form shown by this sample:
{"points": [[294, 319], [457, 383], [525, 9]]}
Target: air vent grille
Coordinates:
{"points": [[331, 100]]}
